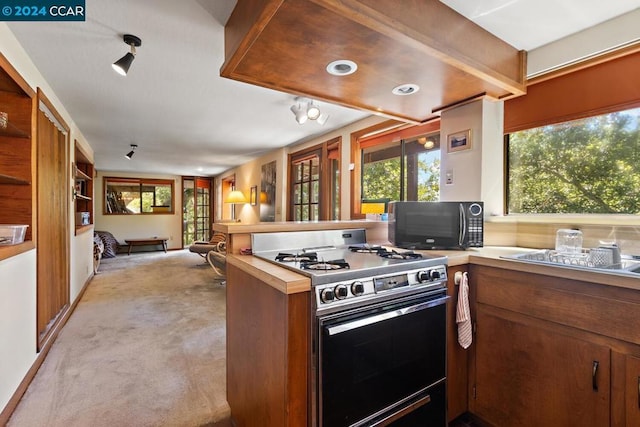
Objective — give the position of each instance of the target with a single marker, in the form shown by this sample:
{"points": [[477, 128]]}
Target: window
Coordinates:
{"points": [[306, 188], [589, 165], [314, 182], [138, 196], [408, 169]]}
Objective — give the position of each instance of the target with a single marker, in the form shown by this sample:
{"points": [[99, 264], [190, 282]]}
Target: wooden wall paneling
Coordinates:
{"points": [[53, 223]]}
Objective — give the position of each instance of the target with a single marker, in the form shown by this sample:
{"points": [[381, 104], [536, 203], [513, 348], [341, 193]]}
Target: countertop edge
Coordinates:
{"points": [[289, 282], [286, 281]]}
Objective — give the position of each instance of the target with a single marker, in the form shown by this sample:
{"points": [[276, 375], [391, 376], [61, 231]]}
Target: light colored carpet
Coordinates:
{"points": [[144, 347]]}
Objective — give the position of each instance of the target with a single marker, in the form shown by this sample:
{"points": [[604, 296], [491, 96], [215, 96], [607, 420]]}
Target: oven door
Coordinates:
{"points": [[380, 360]]}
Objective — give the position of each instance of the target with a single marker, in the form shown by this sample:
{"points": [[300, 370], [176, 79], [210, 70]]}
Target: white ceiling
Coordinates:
{"points": [[185, 118]]}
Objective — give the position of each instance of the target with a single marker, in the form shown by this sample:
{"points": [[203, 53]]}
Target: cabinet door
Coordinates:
{"points": [[632, 391], [530, 376]]}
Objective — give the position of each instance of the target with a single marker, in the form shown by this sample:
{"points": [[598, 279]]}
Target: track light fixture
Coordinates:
{"points": [[121, 66], [305, 108], [130, 154]]}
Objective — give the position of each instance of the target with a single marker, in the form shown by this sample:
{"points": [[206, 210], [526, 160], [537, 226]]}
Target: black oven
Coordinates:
{"points": [[383, 364]]}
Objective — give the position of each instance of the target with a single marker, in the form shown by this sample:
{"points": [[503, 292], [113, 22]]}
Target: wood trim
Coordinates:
{"points": [[15, 76], [13, 402], [322, 151], [356, 172], [43, 98]]}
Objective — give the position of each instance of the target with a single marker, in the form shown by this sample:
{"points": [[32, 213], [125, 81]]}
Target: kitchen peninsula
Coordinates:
{"points": [[268, 333]]}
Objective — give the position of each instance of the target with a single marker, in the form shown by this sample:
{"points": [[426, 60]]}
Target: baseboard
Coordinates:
{"points": [[31, 373]]}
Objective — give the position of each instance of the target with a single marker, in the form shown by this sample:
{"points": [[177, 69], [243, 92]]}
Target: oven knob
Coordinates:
{"points": [[357, 288], [341, 291], [326, 295], [434, 274], [423, 276]]}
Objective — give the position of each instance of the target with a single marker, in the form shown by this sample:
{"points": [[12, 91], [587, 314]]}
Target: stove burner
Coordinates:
{"points": [[300, 257], [337, 264], [366, 249], [384, 253]]}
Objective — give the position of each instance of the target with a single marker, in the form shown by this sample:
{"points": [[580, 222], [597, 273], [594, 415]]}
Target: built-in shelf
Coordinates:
{"points": [[18, 102], [83, 174], [6, 179], [13, 132], [7, 251]]}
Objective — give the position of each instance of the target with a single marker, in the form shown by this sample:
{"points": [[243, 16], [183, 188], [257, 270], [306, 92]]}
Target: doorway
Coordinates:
{"points": [[196, 210]]}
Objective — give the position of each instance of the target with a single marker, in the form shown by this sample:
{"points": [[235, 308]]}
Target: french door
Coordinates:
{"points": [[196, 210]]}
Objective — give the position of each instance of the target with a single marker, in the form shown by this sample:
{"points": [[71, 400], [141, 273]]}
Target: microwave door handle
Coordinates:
{"points": [[366, 321], [463, 225]]}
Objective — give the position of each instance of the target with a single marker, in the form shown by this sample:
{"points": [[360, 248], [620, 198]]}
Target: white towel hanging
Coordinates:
{"points": [[463, 313]]}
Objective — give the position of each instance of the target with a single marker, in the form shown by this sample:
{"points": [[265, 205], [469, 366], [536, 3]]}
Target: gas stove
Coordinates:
{"points": [[345, 270]]}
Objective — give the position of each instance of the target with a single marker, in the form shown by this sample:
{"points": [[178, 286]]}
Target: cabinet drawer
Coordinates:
{"points": [[595, 308]]}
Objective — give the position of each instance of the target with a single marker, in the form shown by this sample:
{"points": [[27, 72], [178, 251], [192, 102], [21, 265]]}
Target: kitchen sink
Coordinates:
{"points": [[588, 259]]}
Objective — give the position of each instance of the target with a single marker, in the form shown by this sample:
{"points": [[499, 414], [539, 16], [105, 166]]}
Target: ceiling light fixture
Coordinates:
{"points": [[427, 142], [121, 66], [405, 89], [305, 109], [130, 154], [342, 67]]}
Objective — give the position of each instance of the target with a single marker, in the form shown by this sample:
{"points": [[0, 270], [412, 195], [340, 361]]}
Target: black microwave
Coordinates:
{"points": [[436, 225]]}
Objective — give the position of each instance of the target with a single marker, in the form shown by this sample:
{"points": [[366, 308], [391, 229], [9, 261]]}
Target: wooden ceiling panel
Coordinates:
{"points": [[288, 46]]}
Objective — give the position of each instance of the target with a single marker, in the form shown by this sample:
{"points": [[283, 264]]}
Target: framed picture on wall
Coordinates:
{"points": [[253, 197], [459, 141]]}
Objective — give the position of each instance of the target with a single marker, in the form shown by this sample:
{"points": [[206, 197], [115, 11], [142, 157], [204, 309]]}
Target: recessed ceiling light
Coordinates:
{"points": [[405, 89], [342, 67]]}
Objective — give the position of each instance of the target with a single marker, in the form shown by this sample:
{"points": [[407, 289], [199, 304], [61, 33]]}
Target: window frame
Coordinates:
{"points": [[327, 193], [389, 129], [572, 93], [140, 182]]}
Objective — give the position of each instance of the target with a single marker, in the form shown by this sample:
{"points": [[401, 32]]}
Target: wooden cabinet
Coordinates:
{"points": [[17, 102], [527, 375], [553, 351], [457, 357], [83, 190], [632, 391], [267, 352]]}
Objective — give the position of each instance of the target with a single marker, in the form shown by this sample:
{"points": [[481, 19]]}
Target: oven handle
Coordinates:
{"points": [[349, 326]]}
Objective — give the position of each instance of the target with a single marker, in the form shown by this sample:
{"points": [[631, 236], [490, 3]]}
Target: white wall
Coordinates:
{"points": [[140, 226], [477, 172], [18, 274], [611, 34], [247, 176]]}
